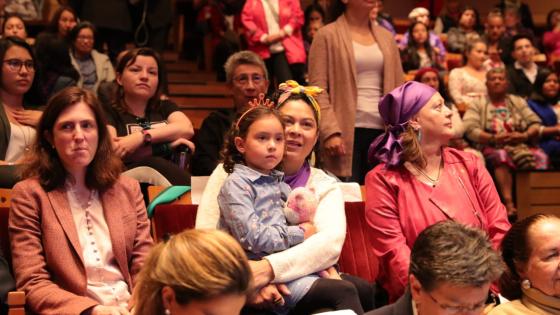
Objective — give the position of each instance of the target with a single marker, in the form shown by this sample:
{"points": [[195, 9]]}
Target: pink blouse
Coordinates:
{"points": [[399, 207]]}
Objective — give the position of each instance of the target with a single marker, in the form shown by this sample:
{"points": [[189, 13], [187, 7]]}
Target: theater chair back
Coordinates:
{"points": [[172, 219], [357, 257]]}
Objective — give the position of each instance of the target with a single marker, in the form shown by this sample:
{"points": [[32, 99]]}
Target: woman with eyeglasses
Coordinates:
{"points": [[146, 130], [93, 66], [17, 121]]}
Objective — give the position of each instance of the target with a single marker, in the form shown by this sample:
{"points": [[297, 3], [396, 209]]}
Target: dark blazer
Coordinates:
{"points": [[403, 306], [519, 84], [46, 252]]}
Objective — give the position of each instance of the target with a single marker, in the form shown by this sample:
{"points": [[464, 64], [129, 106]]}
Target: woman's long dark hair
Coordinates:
{"points": [[537, 94], [411, 58]]}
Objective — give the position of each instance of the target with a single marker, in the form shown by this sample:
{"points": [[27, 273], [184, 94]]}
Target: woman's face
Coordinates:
{"points": [[14, 27], [420, 33], [551, 86], [230, 304], [75, 137], [542, 268], [477, 55], [434, 120], [140, 78], [430, 78], [84, 41], [301, 130], [467, 19], [315, 16], [66, 22], [18, 71]]}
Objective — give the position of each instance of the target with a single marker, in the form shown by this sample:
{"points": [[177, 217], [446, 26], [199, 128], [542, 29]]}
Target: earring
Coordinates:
{"points": [[167, 312], [526, 284], [419, 135]]}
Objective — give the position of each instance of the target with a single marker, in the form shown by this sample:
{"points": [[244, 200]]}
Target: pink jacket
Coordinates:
{"points": [[399, 207], [46, 251], [290, 13]]}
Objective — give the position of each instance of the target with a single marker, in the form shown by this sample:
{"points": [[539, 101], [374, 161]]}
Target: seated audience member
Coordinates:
{"points": [[545, 102], [494, 59], [79, 231], [419, 52], [451, 269], [523, 72], [384, 15], [467, 83], [422, 181], [247, 77], [523, 11], [420, 14], [55, 68], [146, 130], [468, 30], [62, 22], [377, 19], [448, 17], [314, 13], [513, 22], [551, 38], [502, 126], [194, 272], [7, 283], [94, 67], [14, 25], [496, 38], [298, 107], [17, 120], [529, 250]]}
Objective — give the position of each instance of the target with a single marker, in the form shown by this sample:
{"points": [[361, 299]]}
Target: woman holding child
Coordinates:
{"points": [[300, 115]]}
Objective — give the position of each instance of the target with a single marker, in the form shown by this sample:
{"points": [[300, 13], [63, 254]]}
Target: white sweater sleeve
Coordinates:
{"points": [[322, 249], [208, 213]]}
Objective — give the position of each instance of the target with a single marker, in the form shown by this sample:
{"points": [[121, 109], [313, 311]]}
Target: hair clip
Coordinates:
{"points": [[256, 103]]}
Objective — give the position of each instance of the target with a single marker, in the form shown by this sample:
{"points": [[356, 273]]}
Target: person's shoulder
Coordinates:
{"points": [[328, 30], [31, 184], [99, 55], [125, 183], [391, 176], [453, 156], [220, 116], [514, 307]]}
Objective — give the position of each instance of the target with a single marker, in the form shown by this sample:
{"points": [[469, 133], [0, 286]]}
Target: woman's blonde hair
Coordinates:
{"points": [[412, 152], [197, 265]]}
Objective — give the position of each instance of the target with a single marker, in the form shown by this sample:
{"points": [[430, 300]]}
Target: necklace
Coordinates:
{"points": [[433, 181]]}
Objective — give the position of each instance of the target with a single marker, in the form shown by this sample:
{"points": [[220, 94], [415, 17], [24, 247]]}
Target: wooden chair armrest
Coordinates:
{"points": [[16, 303]]}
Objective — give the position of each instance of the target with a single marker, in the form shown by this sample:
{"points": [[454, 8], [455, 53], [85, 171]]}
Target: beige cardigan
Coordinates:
{"points": [[332, 67]]}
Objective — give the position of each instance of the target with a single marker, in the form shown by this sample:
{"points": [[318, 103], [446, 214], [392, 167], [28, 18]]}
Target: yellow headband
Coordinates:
{"points": [[292, 87]]}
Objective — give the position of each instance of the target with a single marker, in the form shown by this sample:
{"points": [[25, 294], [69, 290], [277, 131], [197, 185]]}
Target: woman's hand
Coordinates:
{"points": [[308, 229], [109, 310], [182, 141], [27, 117], [335, 146], [276, 37], [127, 145], [262, 272]]}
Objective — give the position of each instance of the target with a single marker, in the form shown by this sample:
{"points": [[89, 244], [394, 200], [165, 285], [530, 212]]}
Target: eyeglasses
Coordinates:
{"points": [[243, 79], [15, 65], [452, 309], [85, 38]]}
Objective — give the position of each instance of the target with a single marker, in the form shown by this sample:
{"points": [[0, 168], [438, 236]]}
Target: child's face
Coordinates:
{"points": [[313, 28], [494, 53], [263, 147], [420, 33]]}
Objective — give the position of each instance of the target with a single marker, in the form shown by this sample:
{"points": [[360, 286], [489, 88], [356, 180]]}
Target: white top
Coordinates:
{"points": [[530, 73], [21, 139], [105, 282], [464, 88], [369, 71], [316, 253], [273, 26]]}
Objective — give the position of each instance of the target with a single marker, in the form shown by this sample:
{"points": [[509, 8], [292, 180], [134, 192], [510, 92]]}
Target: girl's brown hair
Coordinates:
{"points": [[230, 155], [44, 163]]}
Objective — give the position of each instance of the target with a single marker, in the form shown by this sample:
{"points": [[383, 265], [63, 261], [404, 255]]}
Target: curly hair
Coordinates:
{"points": [[230, 154]]}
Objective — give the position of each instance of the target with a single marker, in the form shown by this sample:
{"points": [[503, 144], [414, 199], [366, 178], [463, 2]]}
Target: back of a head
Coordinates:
{"points": [[454, 253], [197, 265]]}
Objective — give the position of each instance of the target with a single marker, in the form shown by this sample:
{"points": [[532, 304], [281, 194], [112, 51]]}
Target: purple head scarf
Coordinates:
{"points": [[396, 109]]}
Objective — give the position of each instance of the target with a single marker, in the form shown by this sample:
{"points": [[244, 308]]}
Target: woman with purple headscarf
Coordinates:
{"points": [[420, 181]]}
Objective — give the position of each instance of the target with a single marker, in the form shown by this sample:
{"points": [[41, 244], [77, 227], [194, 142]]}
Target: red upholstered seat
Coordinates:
{"points": [[4, 238], [357, 257], [173, 219]]}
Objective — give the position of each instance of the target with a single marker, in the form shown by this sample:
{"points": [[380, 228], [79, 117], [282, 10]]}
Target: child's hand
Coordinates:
{"points": [[330, 273], [308, 229]]}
